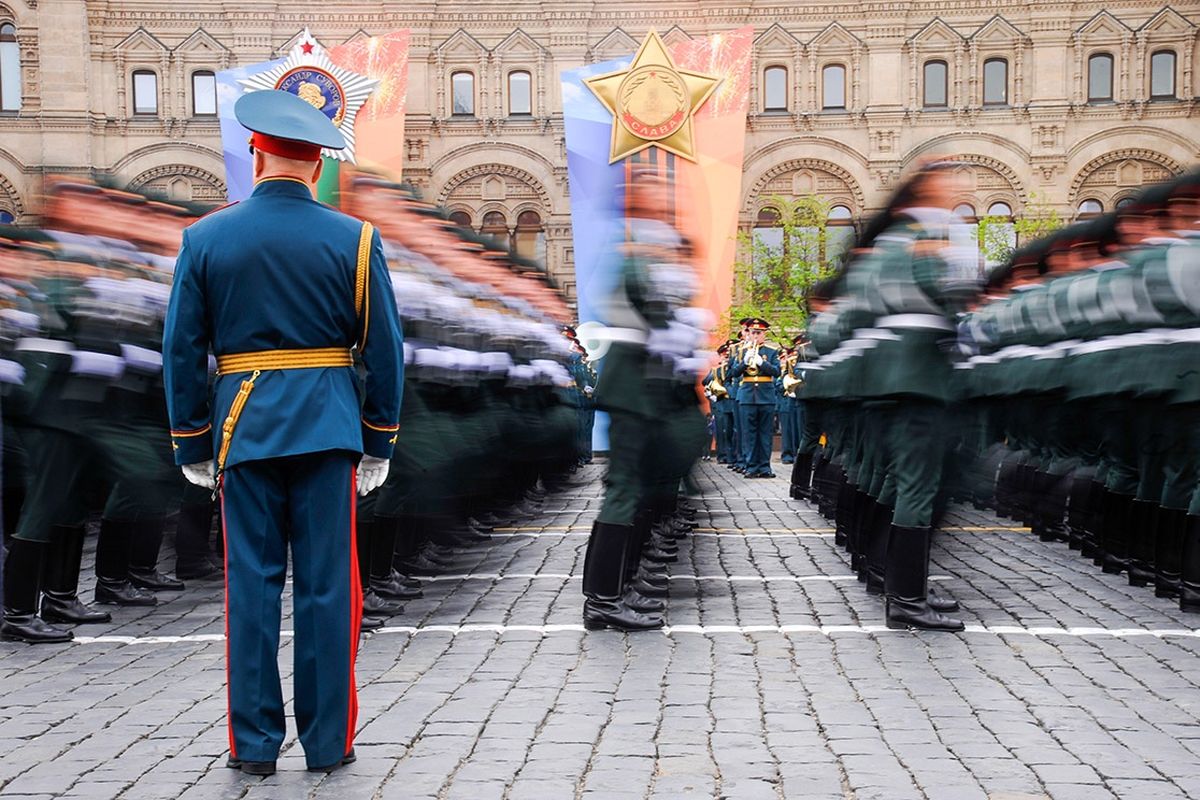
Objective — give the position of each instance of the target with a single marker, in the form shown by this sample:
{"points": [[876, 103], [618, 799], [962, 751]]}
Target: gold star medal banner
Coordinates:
{"points": [[676, 108]]}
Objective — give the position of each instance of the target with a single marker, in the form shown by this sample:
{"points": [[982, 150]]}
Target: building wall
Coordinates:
{"points": [[1048, 144]]}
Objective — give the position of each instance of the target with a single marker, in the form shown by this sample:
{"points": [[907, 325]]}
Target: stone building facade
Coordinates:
{"points": [[1073, 104]]}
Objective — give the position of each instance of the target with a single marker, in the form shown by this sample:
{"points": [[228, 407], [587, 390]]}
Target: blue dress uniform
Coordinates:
{"points": [[281, 288], [756, 403]]}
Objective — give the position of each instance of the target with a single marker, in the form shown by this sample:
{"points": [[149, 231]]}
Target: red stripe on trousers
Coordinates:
{"points": [[228, 679], [356, 602]]}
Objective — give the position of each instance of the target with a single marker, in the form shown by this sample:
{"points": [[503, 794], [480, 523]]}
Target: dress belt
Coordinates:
{"points": [[309, 358], [255, 363]]}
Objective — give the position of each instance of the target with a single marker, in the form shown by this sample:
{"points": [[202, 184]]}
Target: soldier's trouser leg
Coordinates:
{"points": [[310, 501], [747, 434], [762, 424], [787, 435], [914, 462], [624, 483]]}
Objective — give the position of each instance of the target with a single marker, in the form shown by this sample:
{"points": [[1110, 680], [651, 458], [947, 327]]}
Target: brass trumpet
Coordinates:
{"points": [[753, 362], [717, 389], [790, 384]]}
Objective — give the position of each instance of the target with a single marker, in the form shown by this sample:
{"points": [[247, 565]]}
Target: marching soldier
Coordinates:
{"points": [[756, 365], [281, 288]]}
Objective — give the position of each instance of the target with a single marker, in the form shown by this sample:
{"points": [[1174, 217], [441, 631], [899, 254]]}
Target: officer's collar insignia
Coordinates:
{"points": [[310, 74]]}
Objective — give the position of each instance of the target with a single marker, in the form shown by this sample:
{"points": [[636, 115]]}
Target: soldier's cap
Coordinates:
{"points": [[759, 324], [569, 330], [286, 126], [1186, 186], [799, 337], [744, 321], [723, 348]]}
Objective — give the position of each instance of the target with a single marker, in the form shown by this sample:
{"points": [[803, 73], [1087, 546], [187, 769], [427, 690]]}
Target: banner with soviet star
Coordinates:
{"points": [[360, 85], [680, 110]]}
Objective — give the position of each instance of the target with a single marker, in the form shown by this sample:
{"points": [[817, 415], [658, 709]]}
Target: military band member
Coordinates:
{"points": [[281, 288], [756, 365]]}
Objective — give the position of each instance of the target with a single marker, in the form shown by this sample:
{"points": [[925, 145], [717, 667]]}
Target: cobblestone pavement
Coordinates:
{"points": [[775, 679]]}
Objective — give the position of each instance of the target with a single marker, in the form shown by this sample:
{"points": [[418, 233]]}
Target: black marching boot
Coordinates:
{"points": [[1115, 534], [1189, 568], [60, 586], [1143, 534], [906, 583], [878, 529], [604, 569], [802, 477], [143, 557], [194, 558], [384, 580], [1168, 553], [112, 567], [22, 569]]}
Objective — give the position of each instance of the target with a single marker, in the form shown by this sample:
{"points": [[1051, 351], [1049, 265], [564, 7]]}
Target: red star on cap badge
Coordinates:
{"points": [[307, 48]]}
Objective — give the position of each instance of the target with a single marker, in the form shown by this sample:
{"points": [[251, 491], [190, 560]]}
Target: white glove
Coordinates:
{"points": [[200, 473], [372, 472]]}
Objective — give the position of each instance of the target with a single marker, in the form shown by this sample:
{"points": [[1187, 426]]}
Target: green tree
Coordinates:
{"points": [[772, 274], [1039, 219]]}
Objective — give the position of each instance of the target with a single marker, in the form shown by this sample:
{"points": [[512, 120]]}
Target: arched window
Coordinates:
{"points": [[767, 231], [10, 68], [1124, 201], [966, 211], [145, 92], [995, 82], [833, 86], [461, 218], [530, 238], [775, 93], [495, 226], [1001, 236], [1090, 208], [936, 86], [462, 90], [999, 210], [1100, 78], [839, 233], [1162, 75], [964, 233], [520, 96], [204, 94], [6, 217]]}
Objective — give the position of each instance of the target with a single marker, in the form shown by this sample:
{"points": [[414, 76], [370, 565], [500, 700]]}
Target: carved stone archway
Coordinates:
{"points": [[1113, 175], [807, 176], [182, 182]]}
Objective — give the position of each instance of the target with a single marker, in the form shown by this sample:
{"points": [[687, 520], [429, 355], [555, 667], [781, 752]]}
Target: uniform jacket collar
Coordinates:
{"points": [[290, 187]]}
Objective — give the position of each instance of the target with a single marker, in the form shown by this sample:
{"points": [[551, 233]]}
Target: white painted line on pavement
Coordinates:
{"points": [[703, 630]]}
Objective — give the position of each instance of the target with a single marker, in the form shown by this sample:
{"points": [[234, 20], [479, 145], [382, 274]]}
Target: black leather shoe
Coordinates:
{"points": [[202, 570], [395, 589], [368, 624], [122, 593], [154, 581], [260, 768], [905, 614], [31, 629], [640, 602], [67, 609], [941, 602], [423, 565], [646, 588], [658, 555], [600, 614], [349, 758], [376, 606]]}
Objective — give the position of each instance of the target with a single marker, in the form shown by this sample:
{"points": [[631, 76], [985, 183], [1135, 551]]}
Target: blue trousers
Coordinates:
{"points": [[725, 436], [787, 429], [307, 502], [757, 430]]}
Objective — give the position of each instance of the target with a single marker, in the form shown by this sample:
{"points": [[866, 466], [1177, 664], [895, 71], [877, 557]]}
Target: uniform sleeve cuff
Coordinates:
{"points": [[379, 440], [192, 446]]}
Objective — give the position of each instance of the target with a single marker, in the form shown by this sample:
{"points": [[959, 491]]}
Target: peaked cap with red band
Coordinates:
{"points": [[758, 324], [284, 125]]}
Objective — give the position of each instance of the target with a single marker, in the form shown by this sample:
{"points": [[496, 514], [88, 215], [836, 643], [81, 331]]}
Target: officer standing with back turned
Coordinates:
{"points": [[281, 288]]}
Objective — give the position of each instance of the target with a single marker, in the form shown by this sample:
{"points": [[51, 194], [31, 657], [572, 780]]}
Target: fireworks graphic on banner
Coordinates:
{"points": [[309, 73]]}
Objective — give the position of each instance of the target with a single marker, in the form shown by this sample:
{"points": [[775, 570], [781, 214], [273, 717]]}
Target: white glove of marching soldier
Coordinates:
{"points": [[201, 474], [372, 472]]}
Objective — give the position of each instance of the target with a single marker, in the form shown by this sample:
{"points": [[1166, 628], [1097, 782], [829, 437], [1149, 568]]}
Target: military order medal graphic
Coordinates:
{"points": [[309, 74], [652, 102]]}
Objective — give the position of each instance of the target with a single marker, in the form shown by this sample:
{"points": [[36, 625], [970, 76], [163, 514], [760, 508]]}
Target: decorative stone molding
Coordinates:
{"points": [[180, 171], [497, 169], [814, 164], [1132, 154]]}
